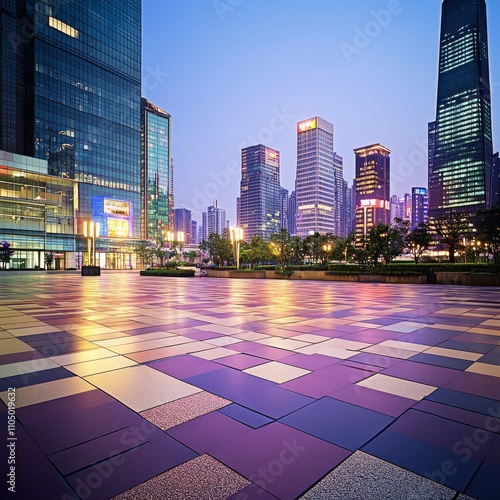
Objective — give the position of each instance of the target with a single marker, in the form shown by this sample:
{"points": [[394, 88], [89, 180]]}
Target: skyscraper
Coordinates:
{"points": [[292, 213], [156, 170], [496, 179], [460, 173], [70, 93], [372, 187], [214, 220], [315, 179], [284, 202], [260, 195], [183, 223], [419, 206], [338, 194]]}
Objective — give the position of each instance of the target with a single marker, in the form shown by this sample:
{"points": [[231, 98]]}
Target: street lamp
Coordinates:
{"points": [[91, 232], [236, 237]]}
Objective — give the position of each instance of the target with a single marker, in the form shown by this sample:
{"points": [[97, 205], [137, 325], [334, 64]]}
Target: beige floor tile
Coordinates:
{"points": [[407, 346], [485, 369], [130, 339], [100, 365], [48, 391], [35, 365], [452, 353], [486, 331], [13, 345], [277, 372], [215, 353], [283, 343], [82, 356], [251, 336], [149, 344], [392, 352], [223, 341], [141, 387], [311, 338], [404, 327], [397, 386]]}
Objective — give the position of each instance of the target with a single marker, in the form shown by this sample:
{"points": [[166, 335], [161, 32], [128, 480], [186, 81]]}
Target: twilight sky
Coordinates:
{"points": [[234, 73]]}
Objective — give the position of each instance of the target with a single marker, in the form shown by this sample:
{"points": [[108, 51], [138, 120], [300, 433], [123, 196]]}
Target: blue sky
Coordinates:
{"points": [[233, 73]]}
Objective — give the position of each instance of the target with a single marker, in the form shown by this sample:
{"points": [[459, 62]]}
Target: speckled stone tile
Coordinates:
{"points": [[200, 478], [363, 476], [177, 412]]}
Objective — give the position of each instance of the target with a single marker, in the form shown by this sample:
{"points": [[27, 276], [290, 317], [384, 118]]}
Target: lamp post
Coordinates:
{"points": [[236, 237]]}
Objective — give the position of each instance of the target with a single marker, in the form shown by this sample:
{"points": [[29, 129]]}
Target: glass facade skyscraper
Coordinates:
{"points": [[72, 76], [419, 206], [260, 194], [460, 171], [158, 199], [372, 183], [315, 180]]}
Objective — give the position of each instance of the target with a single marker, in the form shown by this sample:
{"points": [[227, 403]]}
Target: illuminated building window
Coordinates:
{"points": [[63, 27]]}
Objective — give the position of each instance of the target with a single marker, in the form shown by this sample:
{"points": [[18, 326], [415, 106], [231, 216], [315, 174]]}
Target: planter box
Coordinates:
{"points": [[91, 271], [372, 278], [481, 280], [247, 274]]}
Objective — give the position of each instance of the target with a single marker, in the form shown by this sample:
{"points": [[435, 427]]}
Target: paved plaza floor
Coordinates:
{"points": [[173, 388]]}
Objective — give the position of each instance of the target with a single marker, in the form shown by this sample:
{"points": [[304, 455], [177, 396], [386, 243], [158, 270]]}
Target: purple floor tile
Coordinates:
{"points": [[381, 402], [241, 361], [184, 366], [361, 366], [245, 416], [475, 383], [17, 357], [375, 360], [479, 338], [205, 433], [34, 474], [372, 336], [467, 346], [486, 483], [275, 402], [65, 422], [271, 353], [157, 454], [471, 402], [428, 336], [338, 422], [229, 383], [201, 335], [442, 361], [314, 386], [253, 492], [280, 459], [309, 361], [422, 373], [34, 378], [343, 373]]}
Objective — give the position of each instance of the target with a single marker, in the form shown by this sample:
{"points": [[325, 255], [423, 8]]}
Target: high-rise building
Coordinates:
{"points": [[214, 220], [496, 180], [292, 214], [372, 187], [347, 214], [194, 233], [260, 197], [315, 179], [419, 206], [460, 173], [400, 207], [70, 94], [284, 202], [156, 170], [338, 194], [182, 223]]}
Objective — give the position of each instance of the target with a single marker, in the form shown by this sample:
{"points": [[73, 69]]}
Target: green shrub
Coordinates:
{"points": [[175, 273]]}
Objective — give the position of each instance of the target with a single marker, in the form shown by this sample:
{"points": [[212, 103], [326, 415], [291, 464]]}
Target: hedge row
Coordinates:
{"points": [[175, 273], [408, 269]]}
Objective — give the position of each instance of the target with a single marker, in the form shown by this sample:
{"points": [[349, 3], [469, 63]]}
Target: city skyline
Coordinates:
{"points": [[254, 89]]}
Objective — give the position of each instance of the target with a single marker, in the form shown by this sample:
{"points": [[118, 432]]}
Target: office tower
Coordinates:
{"points": [[238, 211], [156, 170], [372, 187], [194, 233], [284, 202], [260, 191], [338, 194], [70, 93], [419, 206], [347, 213], [496, 180], [182, 223], [400, 207], [292, 214], [461, 169], [213, 220], [315, 179]]}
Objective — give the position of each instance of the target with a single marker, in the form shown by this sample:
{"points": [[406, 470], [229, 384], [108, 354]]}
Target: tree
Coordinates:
{"points": [[256, 251], [297, 250], [450, 229], [144, 251], [49, 259], [394, 240], [487, 224], [418, 241], [376, 242], [6, 253], [281, 246], [159, 247], [344, 249], [219, 247]]}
